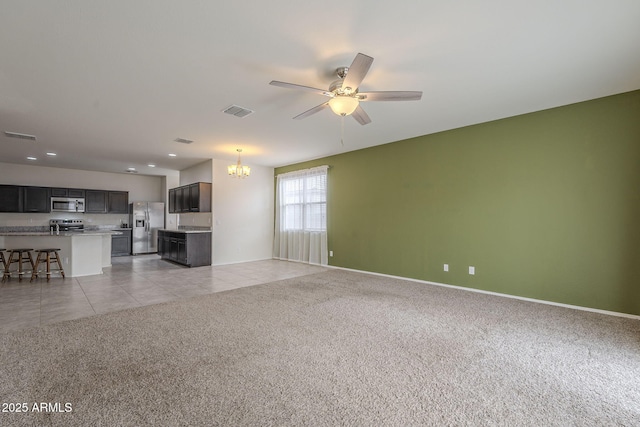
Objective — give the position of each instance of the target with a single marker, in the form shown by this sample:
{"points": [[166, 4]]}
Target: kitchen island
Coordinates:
{"points": [[189, 247], [82, 253]]}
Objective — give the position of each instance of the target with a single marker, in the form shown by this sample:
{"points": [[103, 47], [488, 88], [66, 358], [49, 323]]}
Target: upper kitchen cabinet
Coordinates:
{"points": [[75, 193], [200, 197], [102, 201], [172, 200], [36, 199], [15, 198], [118, 202], [11, 198], [182, 199], [95, 201], [194, 197]]}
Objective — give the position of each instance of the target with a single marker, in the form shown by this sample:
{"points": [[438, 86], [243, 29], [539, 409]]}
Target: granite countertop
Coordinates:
{"points": [[62, 233], [186, 231]]}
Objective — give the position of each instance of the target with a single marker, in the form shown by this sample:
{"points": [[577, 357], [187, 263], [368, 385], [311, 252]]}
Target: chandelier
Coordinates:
{"points": [[237, 170]]}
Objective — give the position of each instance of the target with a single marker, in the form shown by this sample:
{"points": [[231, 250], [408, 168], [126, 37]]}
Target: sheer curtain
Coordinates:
{"points": [[301, 216]]}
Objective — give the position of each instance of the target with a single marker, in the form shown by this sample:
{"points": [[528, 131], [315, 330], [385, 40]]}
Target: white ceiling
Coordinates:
{"points": [[109, 85]]}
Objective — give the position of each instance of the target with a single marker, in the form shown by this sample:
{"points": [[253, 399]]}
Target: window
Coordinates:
{"points": [[301, 216], [304, 202]]}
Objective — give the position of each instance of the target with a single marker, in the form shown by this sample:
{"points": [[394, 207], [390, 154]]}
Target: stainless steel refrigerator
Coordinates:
{"points": [[145, 218]]}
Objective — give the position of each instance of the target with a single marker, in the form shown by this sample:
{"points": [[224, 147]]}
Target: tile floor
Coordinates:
{"points": [[129, 282]]}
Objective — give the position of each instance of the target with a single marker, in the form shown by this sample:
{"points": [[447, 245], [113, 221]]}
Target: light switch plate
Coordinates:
{"points": [[472, 270]]}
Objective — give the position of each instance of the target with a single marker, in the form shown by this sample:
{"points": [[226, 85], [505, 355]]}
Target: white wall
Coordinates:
{"points": [[202, 172], [242, 215], [170, 219], [140, 187]]}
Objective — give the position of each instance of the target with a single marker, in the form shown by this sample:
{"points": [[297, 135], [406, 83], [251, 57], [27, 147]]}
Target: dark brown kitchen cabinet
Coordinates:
{"points": [[172, 200], [11, 198], [36, 200], [16, 198], [182, 199], [200, 197], [121, 243], [179, 198], [102, 201], [190, 249], [118, 202], [75, 193], [95, 201], [194, 197]]}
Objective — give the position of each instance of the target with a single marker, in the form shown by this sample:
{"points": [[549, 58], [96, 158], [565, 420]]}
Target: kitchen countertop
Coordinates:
{"points": [[186, 231], [62, 233]]}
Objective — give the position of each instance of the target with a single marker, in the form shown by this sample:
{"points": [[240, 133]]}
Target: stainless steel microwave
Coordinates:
{"points": [[66, 204]]}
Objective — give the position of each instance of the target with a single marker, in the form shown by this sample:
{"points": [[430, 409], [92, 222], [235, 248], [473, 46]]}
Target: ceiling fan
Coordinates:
{"points": [[345, 98]]}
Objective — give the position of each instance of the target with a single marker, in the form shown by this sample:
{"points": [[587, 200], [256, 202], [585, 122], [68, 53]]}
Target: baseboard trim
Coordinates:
{"points": [[539, 301], [240, 262]]}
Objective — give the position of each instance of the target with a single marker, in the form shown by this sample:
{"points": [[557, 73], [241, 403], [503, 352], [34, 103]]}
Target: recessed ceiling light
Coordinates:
{"points": [[151, 166], [131, 169], [32, 158], [172, 155], [51, 154]]}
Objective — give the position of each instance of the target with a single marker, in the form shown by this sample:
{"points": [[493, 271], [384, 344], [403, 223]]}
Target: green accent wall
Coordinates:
{"points": [[544, 205]]}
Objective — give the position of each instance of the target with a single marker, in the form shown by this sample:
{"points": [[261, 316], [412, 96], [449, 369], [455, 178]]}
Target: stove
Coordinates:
{"points": [[67, 224]]}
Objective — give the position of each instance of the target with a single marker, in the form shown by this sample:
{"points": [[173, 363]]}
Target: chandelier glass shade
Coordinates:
{"points": [[237, 170]]}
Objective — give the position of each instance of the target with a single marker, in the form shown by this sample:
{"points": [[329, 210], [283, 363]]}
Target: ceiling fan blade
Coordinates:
{"points": [[390, 96], [311, 111], [361, 116], [358, 69], [306, 88]]}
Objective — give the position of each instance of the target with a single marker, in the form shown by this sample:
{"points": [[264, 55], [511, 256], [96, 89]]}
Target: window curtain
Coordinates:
{"points": [[301, 216]]}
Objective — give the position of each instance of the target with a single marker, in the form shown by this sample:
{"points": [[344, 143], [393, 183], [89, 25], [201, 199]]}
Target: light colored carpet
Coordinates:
{"points": [[333, 348]]}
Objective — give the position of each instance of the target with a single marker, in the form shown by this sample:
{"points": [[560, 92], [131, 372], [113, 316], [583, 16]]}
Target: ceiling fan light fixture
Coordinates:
{"points": [[343, 105]]}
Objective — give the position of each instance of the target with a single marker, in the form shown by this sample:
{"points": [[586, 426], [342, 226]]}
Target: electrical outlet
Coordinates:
{"points": [[330, 253], [446, 267], [472, 270]]}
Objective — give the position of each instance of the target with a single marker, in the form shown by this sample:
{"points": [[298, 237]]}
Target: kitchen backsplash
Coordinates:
{"points": [[42, 219], [196, 219], [97, 220]]}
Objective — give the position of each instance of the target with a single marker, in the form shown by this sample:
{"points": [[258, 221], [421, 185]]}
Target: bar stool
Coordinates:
{"points": [[19, 256], [45, 255], [3, 260]]}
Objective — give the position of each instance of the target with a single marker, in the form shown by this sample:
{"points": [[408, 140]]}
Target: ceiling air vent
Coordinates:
{"points": [[20, 136], [183, 141], [236, 110]]}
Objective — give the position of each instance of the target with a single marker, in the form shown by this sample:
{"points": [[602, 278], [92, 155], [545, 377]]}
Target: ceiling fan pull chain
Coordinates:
{"points": [[342, 131]]}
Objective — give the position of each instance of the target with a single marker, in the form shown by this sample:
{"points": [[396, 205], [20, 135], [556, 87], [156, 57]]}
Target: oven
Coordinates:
{"points": [[66, 225]]}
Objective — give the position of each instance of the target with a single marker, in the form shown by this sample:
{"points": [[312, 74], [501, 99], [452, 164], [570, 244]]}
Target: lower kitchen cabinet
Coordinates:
{"points": [[121, 243], [192, 249]]}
